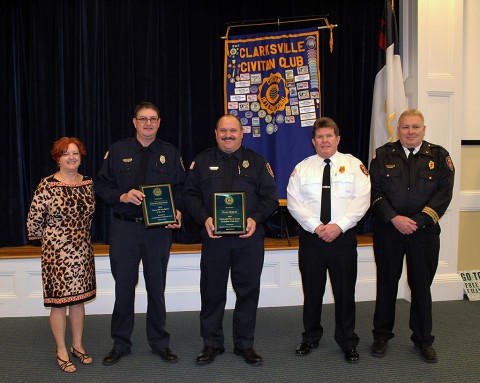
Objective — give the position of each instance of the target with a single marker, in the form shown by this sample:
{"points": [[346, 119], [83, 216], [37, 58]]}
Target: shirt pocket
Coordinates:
{"points": [[391, 181], [343, 185], [427, 181], [311, 187]]}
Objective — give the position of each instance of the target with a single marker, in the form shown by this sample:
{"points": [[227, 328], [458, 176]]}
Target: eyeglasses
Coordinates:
{"points": [[144, 120]]}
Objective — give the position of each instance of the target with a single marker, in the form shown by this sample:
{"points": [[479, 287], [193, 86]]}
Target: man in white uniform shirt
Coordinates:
{"points": [[328, 245]]}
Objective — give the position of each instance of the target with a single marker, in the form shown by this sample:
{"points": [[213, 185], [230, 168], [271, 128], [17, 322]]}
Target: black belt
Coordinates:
{"points": [[123, 218]]}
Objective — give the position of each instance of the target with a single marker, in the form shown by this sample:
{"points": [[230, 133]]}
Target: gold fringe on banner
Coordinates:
{"points": [[278, 22]]}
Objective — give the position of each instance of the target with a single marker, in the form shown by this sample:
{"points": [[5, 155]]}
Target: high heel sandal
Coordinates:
{"points": [[65, 364], [81, 356]]}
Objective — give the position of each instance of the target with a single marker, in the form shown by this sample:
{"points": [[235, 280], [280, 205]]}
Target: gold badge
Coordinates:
{"points": [[450, 163], [270, 171], [364, 169], [245, 164], [126, 160], [390, 166], [341, 169], [162, 159], [431, 165]]}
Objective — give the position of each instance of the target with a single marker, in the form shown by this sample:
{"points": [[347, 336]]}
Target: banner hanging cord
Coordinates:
{"points": [[278, 22]]}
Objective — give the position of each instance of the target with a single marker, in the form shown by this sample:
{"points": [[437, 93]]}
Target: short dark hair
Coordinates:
{"points": [[145, 105], [61, 146], [325, 122], [228, 116]]}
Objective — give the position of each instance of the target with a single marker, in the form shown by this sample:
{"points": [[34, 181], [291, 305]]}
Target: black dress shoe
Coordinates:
{"points": [[113, 357], [250, 356], [379, 348], [304, 348], [208, 355], [167, 355], [351, 355], [428, 354]]}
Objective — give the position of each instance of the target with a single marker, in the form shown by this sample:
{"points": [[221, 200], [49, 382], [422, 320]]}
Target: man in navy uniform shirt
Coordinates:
{"points": [[139, 160], [241, 254], [412, 184]]}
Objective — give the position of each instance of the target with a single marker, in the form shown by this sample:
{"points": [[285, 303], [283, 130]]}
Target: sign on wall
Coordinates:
{"points": [[471, 282]]}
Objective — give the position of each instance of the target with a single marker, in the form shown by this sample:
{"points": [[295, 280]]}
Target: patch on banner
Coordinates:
{"points": [[273, 93], [192, 165], [270, 171], [450, 163], [364, 169]]}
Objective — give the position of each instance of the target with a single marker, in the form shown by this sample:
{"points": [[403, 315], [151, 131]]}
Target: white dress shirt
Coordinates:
{"points": [[350, 191]]}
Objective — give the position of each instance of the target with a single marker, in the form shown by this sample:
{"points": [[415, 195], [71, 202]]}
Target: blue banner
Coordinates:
{"points": [[272, 84]]}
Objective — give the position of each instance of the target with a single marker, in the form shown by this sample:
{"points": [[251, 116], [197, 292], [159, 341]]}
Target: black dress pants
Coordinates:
{"points": [[339, 258], [243, 257], [131, 243], [421, 250]]}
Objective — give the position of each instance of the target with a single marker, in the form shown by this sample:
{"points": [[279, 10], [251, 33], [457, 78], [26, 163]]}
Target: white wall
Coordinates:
{"points": [[21, 284], [471, 70], [433, 63]]}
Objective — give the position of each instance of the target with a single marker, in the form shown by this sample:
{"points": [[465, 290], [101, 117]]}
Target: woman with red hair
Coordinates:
{"points": [[60, 216]]}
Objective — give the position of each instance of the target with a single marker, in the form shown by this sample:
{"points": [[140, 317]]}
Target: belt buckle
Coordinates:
{"points": [[138, 220]]}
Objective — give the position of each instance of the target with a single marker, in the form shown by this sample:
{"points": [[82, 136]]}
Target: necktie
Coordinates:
{"points": [[228, 173], [135, 211], [142, 169], [326, 208], [410, 155]]}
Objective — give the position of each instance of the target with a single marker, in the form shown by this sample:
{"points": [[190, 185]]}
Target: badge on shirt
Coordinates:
{"points": [[341, 169], [364, 169], [127, 160], [245, 164], [431, 165], [270, 171], [162, 159]]}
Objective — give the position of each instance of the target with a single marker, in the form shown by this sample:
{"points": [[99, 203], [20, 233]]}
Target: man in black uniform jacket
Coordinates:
{"points": [[412, 183], [242, 254], [134, 161]]}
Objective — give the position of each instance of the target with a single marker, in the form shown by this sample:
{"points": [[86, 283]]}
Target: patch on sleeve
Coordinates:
{"points": [[270, 171], [364, 169], [450, 163], [106, 155], [192, 165], [294, 172]]}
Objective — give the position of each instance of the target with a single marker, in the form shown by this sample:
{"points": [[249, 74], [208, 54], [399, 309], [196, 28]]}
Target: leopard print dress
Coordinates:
{"points": [[61, 216]]}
